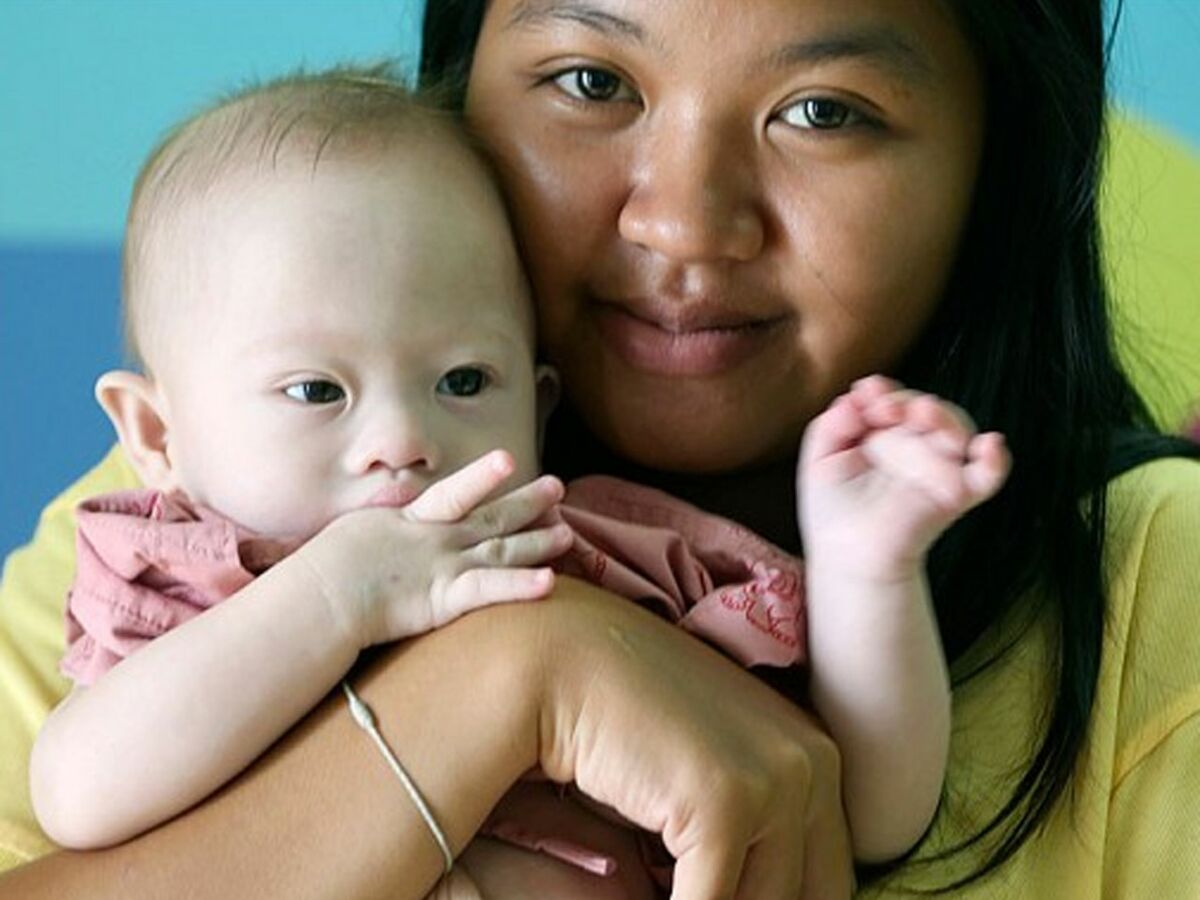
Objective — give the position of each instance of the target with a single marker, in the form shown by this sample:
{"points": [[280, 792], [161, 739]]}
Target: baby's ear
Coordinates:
{"points": [[137, 411], [549, 390]]}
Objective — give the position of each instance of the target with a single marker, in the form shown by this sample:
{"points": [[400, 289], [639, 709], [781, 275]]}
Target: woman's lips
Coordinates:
{"points": [[694, 350]]}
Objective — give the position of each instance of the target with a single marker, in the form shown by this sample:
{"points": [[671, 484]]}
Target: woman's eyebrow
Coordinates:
{"points": [[881, 46], [532, 13]]}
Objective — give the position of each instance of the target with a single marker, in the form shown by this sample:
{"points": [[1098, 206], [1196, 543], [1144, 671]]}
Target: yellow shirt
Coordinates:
{"points": [[1132, 831]]}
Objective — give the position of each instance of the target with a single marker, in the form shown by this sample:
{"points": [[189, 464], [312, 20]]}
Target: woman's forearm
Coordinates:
{"points": [[321, 814]]}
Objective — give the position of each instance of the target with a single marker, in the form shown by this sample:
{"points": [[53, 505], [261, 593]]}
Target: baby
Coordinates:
{"points": [[338, 353]]}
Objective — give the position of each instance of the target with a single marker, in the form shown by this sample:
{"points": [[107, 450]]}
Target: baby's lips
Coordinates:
{"points": [[395, 495]]}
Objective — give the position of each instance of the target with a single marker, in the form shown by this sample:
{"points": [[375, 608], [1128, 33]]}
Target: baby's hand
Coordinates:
{"points": [[393, 573], [883, 471]]}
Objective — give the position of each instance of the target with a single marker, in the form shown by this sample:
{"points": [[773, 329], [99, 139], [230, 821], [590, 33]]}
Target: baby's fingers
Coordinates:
{"points": [[835, 435], [453, 497], [525, 548], [476, 588], [910, 457], [515, 510], [988, 463]]}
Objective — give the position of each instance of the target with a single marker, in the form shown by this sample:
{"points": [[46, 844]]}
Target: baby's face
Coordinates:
{"points": [[352, 333]]}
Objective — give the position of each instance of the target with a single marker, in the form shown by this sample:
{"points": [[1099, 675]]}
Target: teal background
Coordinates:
{"points": [[87, 86]]}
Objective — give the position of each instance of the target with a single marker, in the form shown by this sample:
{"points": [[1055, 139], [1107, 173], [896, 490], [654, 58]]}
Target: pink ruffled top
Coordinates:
{"points": [[148, 562]]}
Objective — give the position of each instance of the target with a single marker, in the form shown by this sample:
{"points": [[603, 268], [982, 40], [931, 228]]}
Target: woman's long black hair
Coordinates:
{"points": [[1022, 340]]}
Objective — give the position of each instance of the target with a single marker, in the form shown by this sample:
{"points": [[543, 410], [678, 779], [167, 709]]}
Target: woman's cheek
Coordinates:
{"points": [[871, 252]]}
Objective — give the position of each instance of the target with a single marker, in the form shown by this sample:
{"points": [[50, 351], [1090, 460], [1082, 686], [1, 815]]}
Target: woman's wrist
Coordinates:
{"points": [[484, 667]]}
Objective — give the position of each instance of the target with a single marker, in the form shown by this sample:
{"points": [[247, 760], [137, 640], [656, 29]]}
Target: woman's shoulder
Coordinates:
{"points": [[1154, 514], [1152, 657]]}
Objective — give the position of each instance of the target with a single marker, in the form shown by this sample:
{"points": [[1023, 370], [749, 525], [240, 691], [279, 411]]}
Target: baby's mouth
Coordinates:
{"points": [[394, 495]]}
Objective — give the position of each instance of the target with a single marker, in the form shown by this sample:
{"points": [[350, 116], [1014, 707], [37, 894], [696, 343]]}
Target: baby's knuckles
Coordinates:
{"points": [[362, 562]]}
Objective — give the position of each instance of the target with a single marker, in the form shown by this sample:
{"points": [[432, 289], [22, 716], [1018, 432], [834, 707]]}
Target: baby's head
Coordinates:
{"points": [[323, 292]]}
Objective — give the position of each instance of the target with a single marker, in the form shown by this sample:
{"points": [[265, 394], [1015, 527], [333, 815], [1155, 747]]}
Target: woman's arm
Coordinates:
{"points": [[321, 814], [743, 786]]}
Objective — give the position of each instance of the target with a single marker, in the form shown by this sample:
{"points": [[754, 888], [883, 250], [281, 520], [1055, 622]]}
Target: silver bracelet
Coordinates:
{"points": [[366, 721]]}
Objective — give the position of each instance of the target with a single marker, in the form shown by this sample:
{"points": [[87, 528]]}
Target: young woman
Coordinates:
{"points": [[730, 209]]}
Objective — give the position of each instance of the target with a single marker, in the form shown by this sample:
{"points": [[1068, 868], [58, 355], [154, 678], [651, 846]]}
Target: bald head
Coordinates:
{"points": [[287, 128]]}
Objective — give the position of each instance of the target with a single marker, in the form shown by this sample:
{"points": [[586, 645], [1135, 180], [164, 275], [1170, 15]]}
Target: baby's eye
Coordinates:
{"points": [[821, 113], [594, 84], [316, 391], [465, 381]]}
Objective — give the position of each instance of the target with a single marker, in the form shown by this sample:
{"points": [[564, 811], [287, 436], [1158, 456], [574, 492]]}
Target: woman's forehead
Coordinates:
{"points": [[903, 36]]}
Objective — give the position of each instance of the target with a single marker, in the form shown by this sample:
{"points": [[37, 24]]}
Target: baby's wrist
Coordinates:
{"points": [[331, 584], [882, 575]]}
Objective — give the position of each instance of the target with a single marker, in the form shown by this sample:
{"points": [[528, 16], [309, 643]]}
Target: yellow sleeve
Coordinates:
{"points": [[1153, 843], [32, 638], [1152, 840]]}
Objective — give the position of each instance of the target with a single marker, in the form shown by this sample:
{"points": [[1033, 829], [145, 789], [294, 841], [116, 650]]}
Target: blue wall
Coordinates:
{"points": [[87, 86]]}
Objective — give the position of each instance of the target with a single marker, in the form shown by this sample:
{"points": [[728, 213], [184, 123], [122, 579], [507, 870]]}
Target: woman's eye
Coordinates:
{"points": [[822, 113], [591, 83], [316, 391], [463, 382]]}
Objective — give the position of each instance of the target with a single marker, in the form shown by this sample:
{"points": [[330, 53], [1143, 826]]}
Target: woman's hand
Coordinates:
{"points": [[742, 785]]}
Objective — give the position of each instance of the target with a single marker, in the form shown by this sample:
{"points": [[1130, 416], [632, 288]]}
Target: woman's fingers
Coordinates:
{"points": [[708, 871], [828, 867], [453, 497], [772, 870], [456, 885], [682, 742]]}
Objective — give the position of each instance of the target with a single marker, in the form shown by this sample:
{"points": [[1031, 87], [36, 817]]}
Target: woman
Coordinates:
{"points": [[731, 208]]}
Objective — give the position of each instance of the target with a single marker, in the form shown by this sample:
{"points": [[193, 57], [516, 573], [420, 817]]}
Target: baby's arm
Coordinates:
{"points": [[883, 472], [178, 719]]}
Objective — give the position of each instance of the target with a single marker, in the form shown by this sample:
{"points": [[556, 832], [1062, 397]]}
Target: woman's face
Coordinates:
{"points": [[729, 208]]}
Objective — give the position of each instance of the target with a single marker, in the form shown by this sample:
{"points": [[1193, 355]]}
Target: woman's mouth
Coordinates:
{"points": [[693, 346]]}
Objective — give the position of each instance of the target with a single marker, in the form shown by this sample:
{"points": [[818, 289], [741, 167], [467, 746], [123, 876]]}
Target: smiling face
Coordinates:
{"points": [[344, 334], [729, 208]]}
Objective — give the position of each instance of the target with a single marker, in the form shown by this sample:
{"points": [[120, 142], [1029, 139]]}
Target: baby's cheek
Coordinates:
{"points": [[277, 501]]}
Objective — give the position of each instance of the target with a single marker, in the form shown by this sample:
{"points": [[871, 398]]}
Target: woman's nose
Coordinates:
{"points": [[694, 196], [394, 441]]}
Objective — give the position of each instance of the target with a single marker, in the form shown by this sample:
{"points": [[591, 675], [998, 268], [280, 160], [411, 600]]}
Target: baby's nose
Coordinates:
{"points": [[395, 442]]}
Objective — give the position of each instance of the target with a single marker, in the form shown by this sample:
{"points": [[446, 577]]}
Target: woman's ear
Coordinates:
{"points": [[137, 411], [549, 390]]}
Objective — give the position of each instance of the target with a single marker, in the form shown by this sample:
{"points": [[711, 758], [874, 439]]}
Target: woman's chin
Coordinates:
{"points": [[690, 445]]}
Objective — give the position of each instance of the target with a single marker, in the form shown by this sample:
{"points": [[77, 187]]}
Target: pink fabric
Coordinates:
{"points": [[145, 563], [715, 578], [149, 562]]}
